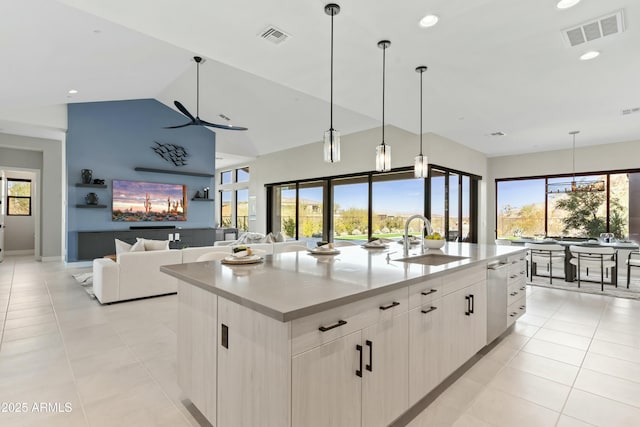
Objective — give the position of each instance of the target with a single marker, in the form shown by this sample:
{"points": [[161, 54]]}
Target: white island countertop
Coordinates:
{"points": [[292, 285]]}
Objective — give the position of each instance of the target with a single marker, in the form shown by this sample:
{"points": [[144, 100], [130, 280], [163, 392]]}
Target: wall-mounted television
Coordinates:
{"points": [[148, 201]]}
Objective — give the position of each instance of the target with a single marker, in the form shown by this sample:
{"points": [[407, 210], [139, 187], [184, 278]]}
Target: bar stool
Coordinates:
{"points": [[594, 257], [547, 253], [633, 260]]}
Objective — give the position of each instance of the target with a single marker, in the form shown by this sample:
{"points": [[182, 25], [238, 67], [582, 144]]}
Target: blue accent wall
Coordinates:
{"points": [[112, 138]]}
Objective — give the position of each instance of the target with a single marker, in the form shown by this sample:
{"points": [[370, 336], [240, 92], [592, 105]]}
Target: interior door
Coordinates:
{"points": [[3, 208]]}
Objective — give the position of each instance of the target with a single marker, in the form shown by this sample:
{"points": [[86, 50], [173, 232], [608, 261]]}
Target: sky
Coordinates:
{"points": [[520, 192], [132, 194], [393, 197]]}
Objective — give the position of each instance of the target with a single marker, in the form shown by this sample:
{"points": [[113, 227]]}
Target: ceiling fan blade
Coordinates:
{"points": [[183, 110], [180, 126], [227, 127]]}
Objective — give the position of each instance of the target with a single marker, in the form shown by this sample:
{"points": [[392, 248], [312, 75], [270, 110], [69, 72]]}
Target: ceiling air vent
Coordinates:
{"points": [[273, 34], [604, 26]]}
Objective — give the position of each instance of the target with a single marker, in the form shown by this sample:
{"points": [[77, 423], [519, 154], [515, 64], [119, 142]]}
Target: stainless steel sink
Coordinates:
{"points": [[432, 259]]}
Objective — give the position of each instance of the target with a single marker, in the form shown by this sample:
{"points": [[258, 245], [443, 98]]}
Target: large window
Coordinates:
{"points": [[19, 197], [553, 206], [394, 198], [310, 210], [351, 208], [359, 207], [234, 198]]}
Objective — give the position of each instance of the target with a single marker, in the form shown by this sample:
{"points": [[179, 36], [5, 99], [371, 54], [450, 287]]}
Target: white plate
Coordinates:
{"points": [[370, 246], [251, 259], [320, 251]]}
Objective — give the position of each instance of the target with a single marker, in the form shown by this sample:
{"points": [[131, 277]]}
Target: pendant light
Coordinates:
{"points": [[332, 136], [421, 164], [383, 151], [584, 185]]}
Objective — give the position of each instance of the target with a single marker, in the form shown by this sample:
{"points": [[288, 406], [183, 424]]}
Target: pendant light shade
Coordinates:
{"points": [[383, 151], [421, 163], [332, 136]]}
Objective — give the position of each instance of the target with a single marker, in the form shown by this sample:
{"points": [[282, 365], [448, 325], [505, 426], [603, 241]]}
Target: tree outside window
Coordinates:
{"points": [[19, 197]]}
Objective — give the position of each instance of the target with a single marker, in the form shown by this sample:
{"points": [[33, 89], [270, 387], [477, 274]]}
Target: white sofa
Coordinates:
{"points": [[137, 274], [134, 275]]}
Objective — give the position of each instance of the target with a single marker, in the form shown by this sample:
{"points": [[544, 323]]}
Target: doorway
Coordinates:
{"points": [[20, 212]]}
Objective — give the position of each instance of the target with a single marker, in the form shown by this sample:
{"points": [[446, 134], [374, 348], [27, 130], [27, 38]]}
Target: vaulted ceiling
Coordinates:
{"points": [[494, 65]]}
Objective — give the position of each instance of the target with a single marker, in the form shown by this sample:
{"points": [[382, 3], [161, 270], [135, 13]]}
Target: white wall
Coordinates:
{"points": [[17, 151], [20, 230], [594, 158], [358, 155]]}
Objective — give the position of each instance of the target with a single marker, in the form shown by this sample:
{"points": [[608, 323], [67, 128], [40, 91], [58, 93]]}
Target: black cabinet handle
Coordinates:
{"points": [[473, 303], [224, 336], [513, 294], [369, 367], [359, 350], [513, 276], [328, 328], [431, 291], [393, 304], [522, 307], [468, 310], [429, 310], [523, 288]]}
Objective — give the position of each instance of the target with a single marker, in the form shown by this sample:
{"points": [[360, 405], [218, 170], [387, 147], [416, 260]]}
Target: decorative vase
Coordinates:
{"points": [[91, 199], [86, 176]]}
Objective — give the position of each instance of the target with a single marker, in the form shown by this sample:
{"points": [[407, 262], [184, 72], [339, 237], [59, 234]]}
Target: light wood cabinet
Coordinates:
{"points": [[326, 390], [197, 340], [385, 380], [254, 368], [464, 324], [360, 364], [425, 341]]}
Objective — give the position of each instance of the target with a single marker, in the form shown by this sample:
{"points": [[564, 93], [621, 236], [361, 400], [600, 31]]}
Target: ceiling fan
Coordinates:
{"points": [[196, 121]]}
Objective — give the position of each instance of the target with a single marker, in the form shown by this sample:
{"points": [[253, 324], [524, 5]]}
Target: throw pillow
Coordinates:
{"points": [[137, 246], [154, 245], [122, 247], [281, 237], [269, 238]]}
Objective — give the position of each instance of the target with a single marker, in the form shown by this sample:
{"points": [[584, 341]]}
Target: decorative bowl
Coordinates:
{"points": [[434, 244]]}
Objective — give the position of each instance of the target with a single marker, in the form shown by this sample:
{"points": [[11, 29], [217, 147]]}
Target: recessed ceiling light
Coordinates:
{"points": [[589, 55], [498, 133], [566, 4], [73, 91], [429, 21]]}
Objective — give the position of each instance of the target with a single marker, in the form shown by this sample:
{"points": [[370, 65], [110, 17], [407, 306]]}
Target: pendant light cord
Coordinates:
{"points": [[197, 88], [421, 73], [384, 50], [331, 112], [574, 157]]}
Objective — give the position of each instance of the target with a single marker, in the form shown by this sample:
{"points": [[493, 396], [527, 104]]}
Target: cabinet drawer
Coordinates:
{"points": [[461, 279], [306, 333], [516, 309], [514, 293], [512, 259], [517, 269], [425, 292]]}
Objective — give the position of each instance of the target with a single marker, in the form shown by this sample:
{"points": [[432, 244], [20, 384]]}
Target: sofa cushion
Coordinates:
{"points": [[138, 246], [154, 245], [122, 247]]}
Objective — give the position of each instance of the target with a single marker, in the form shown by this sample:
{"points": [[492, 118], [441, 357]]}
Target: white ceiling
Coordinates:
{"points": [[493, 65]]}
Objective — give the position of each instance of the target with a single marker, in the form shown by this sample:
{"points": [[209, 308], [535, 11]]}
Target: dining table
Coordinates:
{"points": [[621, 246]]}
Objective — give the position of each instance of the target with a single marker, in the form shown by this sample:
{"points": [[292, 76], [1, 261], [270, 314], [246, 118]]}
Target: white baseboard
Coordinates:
{"points": [[51, 258], [20, 252], [78, 264]]}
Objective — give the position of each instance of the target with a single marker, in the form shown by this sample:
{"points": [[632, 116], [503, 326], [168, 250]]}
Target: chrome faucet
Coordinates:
{"points": [[427, 226]]}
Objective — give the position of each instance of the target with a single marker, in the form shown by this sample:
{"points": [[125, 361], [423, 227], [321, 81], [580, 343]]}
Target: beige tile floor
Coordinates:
{"points": [[572, 360]]}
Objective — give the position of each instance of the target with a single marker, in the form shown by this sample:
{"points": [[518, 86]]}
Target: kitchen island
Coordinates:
{"points": [[333, 340]]}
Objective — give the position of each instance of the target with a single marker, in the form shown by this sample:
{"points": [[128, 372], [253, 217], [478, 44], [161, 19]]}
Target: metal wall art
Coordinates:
{"points": [[175, 154]]}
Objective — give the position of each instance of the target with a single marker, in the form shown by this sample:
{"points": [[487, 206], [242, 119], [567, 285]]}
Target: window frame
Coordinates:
{"points": [[29, 197], [607, 174], [368, 176]]}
